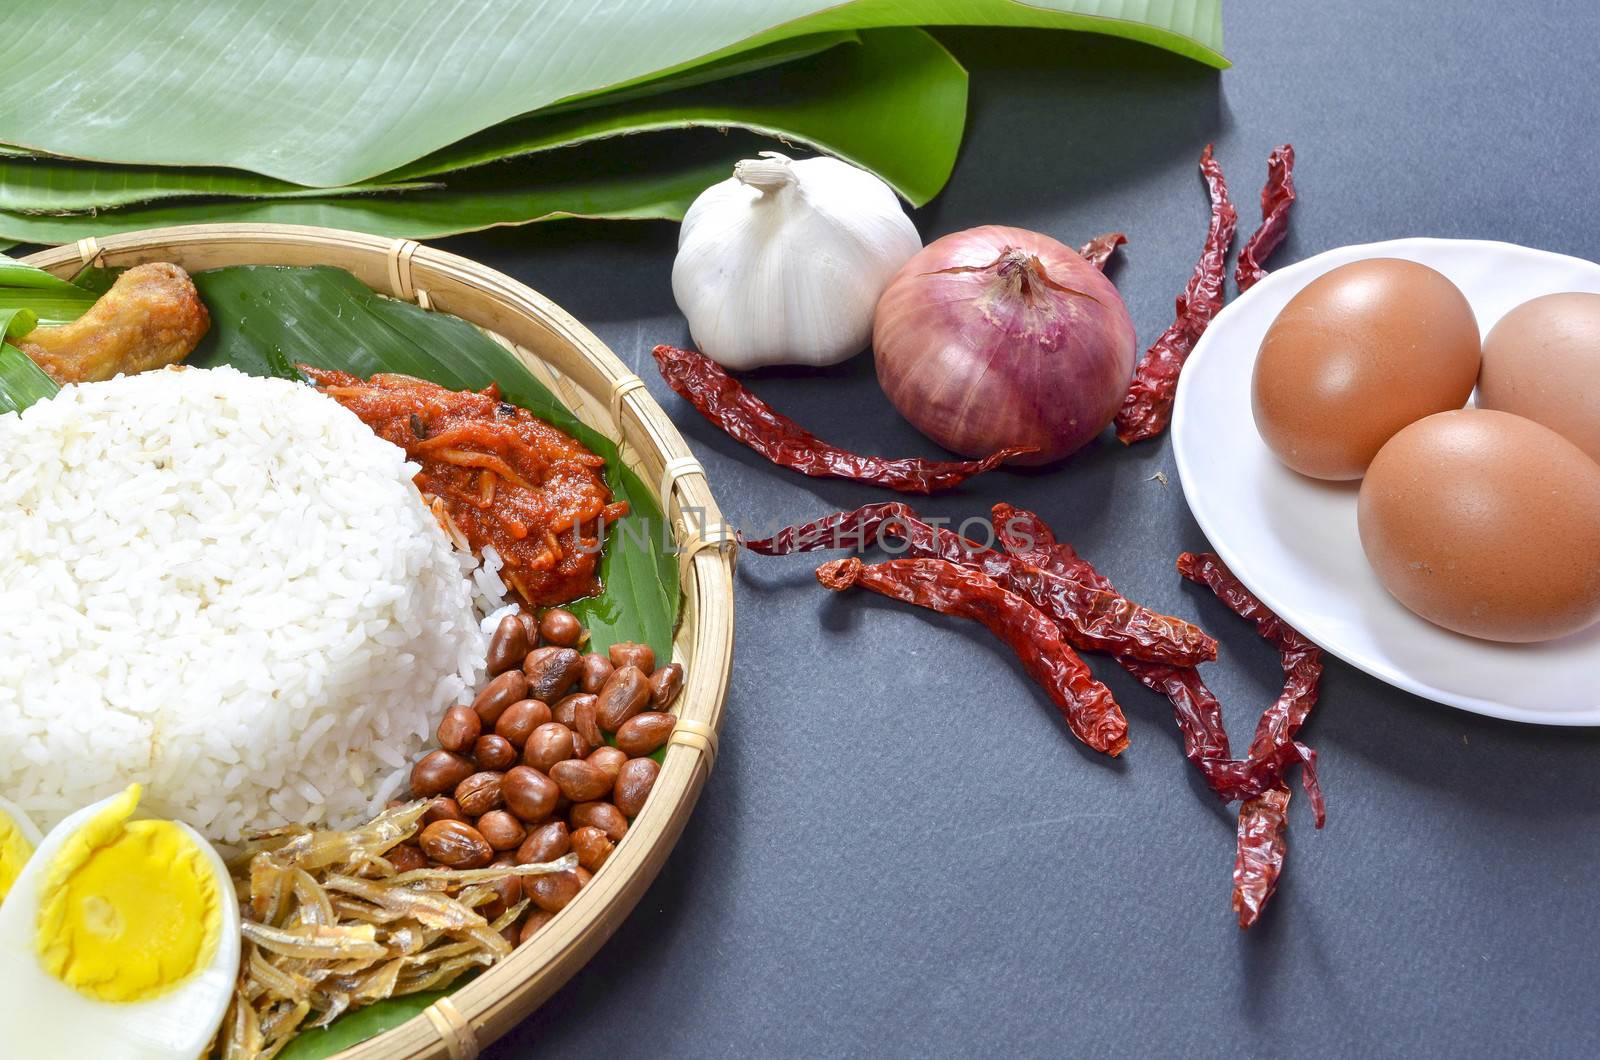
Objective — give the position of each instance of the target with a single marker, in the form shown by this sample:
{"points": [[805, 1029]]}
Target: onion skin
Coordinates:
{"points": [[996, 337]]}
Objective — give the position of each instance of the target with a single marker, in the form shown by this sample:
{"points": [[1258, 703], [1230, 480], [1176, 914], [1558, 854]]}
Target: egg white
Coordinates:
{"points": [[40, 1016]]}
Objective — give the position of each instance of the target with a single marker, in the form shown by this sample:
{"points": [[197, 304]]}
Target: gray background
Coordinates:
{"points": [[902, 852]]}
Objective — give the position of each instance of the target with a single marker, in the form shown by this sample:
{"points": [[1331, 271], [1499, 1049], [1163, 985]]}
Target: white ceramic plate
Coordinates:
{"points": [[1292, 540]]}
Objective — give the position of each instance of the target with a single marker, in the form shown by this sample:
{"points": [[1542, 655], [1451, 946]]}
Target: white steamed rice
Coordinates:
{"points": [[228, 589]]}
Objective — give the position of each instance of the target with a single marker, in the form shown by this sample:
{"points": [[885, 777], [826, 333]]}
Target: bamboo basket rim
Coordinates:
{"points": [[460, 1025]]}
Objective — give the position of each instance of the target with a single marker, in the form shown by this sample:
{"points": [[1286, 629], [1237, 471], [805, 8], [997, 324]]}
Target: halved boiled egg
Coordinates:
{"points": [[120, 939], [18, 837]]}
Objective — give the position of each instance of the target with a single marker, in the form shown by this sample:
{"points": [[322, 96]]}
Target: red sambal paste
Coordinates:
{"points": [[495, 475]]}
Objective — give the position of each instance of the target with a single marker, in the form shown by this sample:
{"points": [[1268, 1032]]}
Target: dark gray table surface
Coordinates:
{"points": [[901, 851]]}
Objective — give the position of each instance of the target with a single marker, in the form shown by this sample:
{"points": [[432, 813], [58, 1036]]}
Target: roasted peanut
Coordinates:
{"points": [[551, 672], [520, 719], [596, 668], [530, 627], [529, 794], [609, 761], [537, 919], [480, 793], [625, 694], [461, 726], [560, 627], [442, 809], [438, 772], [495, 752], [565, 709], [629, 654], [509, 646], [501, 830], [456, 845], [553, 890], [585, 718], [544, 844], [406, 858], [645, 732], [499, 694], [548, 744], [507, 889], [592, 847], [579, 780], [665, 684], [633, 785], [601, 815]]}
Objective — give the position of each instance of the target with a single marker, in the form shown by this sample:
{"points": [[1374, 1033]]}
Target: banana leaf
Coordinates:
{"points": [[517, 195], [59, 186], [355, 1027], [45, 184], [45, 298], [21, 381], [330, 94], [895, 103]]}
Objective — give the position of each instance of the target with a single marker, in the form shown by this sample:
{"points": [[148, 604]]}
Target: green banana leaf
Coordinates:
{"points": [[31, 183], [327, 94], [519, 197], [59, 186], [43, 297], [21, 381], [895, 103], [355, 1027]]}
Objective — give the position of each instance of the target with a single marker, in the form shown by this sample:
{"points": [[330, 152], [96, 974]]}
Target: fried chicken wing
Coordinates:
{"points": [[151, 317]]}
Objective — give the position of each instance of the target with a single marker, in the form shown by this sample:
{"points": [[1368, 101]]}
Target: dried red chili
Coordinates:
{"points": [[1147, 408], [1276, 198], [1274, 747], [952, 589], [1198, 713], [1091, 618], [747, 419], [1098, 250], [1257, 779], [1263, 843]]}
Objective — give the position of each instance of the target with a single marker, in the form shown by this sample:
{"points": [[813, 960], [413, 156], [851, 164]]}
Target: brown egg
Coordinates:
{"points": [[1362, 351], [1486, 523], [1542, 361]]}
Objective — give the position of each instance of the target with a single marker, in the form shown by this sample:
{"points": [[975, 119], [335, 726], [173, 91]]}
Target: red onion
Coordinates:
{"points": [[1000, 336]]}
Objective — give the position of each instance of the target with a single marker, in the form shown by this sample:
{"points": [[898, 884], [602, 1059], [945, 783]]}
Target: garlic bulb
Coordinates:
{"points": [[783, 262]]}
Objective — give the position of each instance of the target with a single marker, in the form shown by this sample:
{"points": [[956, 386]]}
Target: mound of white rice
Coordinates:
{"points": [[228, 589]]}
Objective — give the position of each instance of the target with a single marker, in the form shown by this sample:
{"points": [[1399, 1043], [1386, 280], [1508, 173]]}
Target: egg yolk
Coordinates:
{"points": [[129, 909], [15, 850]]}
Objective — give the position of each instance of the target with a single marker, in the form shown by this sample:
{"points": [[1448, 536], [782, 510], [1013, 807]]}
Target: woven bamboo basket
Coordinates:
{"points": [[605, 395]]}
